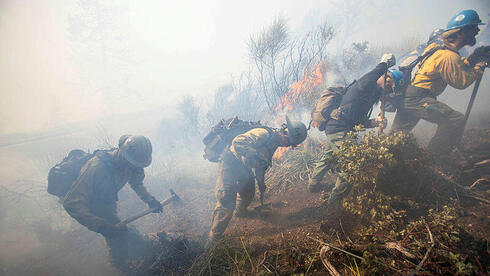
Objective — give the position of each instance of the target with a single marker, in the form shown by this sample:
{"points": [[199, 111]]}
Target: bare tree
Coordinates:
{"points": [[265, 51], [280, 60]]}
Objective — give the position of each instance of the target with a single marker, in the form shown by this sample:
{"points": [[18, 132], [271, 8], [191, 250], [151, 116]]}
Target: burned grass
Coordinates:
{"points": [[167, 256]]}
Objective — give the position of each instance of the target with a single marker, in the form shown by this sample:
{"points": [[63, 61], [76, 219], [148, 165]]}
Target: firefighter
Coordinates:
{"points": [[354, 110], [434, 37], [445, 66], [245, 161], [92, 200]]}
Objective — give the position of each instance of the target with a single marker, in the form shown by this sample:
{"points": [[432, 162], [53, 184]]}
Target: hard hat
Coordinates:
{"points": [[136, 150], [463, 19], [435, 35], [296, 132], [397, 76]]}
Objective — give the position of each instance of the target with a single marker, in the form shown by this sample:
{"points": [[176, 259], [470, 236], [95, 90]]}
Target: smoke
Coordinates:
{"points": [[80, 74]]}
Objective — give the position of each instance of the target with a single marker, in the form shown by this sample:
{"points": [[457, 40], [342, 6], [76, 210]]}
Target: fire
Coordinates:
{"points": [[292, 100], [280, 153], [305, 86]]}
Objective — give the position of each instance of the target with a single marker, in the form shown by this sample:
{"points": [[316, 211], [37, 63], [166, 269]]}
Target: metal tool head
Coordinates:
{"points": [[175, 198]]}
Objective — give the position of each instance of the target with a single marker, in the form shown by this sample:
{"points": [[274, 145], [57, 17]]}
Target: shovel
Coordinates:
{"points": [[174, 198]]}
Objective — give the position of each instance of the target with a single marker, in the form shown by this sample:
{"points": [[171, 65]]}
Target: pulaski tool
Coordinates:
{"points": [[174, 198]]}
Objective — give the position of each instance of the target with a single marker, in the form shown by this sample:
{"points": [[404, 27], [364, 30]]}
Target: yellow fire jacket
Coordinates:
{"points": [[445, 67], [255, 147]]}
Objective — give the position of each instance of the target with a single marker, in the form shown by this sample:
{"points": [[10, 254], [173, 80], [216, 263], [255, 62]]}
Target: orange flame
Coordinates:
{"points": [[280, 153], [290, 101], [307, 85]]}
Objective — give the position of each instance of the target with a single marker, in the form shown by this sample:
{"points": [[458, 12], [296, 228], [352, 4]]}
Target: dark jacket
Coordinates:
{"points": [[94, 192], [358, 101]]}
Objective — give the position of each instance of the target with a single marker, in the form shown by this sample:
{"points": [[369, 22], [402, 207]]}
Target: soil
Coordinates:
{"points": [[279, 241], [298, 215]]}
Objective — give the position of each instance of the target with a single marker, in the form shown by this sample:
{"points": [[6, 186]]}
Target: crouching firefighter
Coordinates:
{"points": [[354, 108], [245, 161], [440, 66], [92, 199]]}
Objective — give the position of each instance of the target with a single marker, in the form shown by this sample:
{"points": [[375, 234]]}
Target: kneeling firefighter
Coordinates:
{"points": [[245, 161]]}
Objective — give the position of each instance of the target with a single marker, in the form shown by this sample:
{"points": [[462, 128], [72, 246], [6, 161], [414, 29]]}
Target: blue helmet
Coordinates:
{"points": [[463, 19], [397, 76]]}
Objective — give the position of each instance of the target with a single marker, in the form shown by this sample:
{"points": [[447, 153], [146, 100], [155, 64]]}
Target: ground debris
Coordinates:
{"points": [[407, 212], [170, 255]]}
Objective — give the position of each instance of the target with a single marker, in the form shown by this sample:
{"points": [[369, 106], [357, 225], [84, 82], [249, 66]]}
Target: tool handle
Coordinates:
{"points": [[470, 105], [382, 107], [144, 213], [382, 115], [472, 99]]}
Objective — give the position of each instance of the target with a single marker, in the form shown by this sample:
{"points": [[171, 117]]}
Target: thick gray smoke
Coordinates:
{"points": [[80, 74]]}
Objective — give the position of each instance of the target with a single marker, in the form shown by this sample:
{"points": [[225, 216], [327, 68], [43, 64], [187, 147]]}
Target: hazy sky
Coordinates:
{"points": [[64, 61]]}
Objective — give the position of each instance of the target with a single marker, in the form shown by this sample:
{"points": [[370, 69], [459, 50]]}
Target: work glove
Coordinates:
{"points": [[480, 54], [251, 154], [389, 59], [381, 121], [378, 122], [155, 204], [482, 64]]}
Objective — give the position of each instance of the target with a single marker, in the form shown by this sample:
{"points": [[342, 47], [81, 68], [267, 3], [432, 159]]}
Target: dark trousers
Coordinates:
{"points": [[419, 104], [234, 178]]}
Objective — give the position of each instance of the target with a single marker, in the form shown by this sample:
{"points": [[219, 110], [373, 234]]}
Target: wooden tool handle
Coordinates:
{"points": [[144, 213]]}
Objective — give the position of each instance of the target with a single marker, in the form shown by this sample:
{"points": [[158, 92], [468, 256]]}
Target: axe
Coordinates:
{"points": [[174, 198]]}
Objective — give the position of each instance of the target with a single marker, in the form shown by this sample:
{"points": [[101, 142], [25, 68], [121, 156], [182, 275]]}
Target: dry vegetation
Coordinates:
{"points": [[405, 214]]}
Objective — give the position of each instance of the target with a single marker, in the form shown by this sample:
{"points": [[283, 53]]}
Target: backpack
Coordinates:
{"points": [[395, 100], [327, 104], [63, 174], [222, 134]]}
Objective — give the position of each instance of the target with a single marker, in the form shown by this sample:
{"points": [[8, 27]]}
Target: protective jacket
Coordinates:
{"points": [[94, 193], [250, 150], [445, 67], [255, 147], [358, 101]]}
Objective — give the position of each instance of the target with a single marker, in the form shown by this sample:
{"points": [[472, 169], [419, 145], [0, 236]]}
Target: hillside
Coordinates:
{"points": [[422, 211]]}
